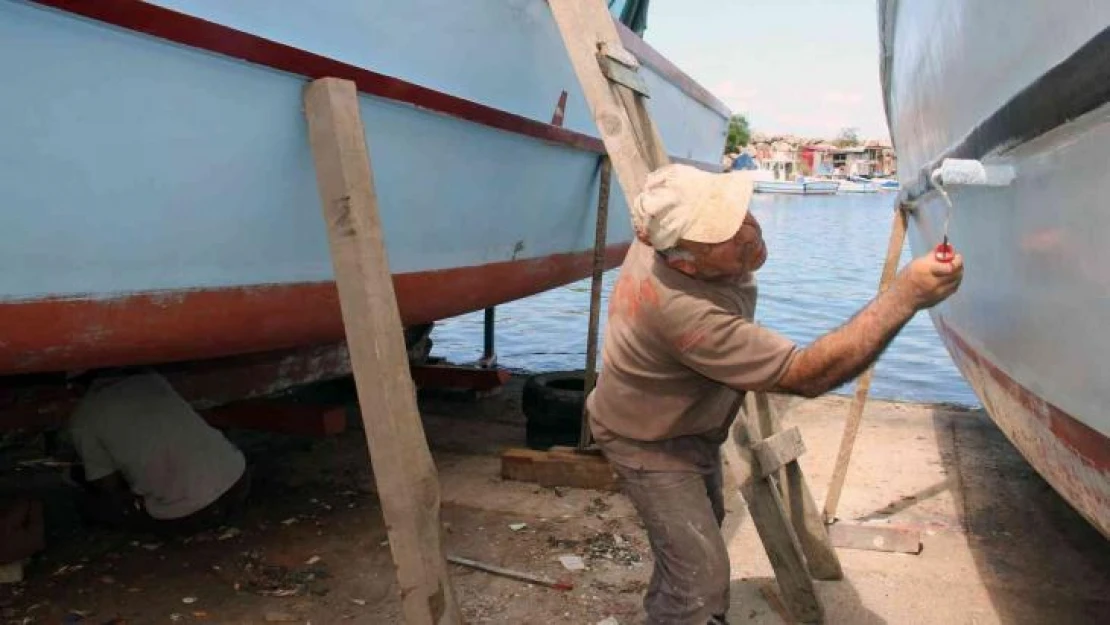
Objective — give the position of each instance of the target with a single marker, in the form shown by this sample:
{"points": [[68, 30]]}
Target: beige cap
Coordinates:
{"points": [[683, 202]]}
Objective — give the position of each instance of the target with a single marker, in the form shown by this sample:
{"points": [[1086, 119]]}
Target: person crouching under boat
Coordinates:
{"points": [[681, 348], [150, 463]]}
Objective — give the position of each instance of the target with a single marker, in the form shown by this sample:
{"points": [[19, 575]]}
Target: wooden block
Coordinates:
{"points": [[408, 485], [775, 451], [519, 464], [455, 377], [279, 417], [11, 573], [875, 538], [622, 75], [559, 467]]}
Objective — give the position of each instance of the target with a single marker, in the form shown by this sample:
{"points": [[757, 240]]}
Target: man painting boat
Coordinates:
{"points": [[681, 345]]}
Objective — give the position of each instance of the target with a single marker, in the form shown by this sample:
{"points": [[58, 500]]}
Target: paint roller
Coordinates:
{"points": [[964, 172]]}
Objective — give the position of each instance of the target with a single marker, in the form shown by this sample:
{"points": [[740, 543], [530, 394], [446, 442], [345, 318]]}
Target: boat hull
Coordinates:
{"points": [[1027, 327], [780, 186], [160, 197]]}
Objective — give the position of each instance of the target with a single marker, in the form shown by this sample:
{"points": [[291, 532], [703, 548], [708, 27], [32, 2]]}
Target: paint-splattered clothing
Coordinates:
{"points": [[677, 351]]}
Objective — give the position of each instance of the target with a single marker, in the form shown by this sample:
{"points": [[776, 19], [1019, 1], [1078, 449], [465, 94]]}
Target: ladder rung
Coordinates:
{"points": [[618, 72], [778, 450]]}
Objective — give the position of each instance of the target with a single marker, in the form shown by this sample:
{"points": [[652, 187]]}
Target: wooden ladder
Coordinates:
{"points": [[764, 459]]}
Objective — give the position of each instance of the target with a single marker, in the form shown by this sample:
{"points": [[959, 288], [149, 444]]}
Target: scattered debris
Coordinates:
{"points": [[291, 520], [572, 563], [358, 601], [176, 617], [281, 617], [229, 533], [609, 621], [511, 574], [152, 546], [188, 600], [270, 580], [562, 543], [611, 546], [68, 568], [598, 506], [312, 560], [516, 527], [107, 579]]}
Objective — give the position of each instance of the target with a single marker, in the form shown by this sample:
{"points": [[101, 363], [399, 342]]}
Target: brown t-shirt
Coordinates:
{"points": [[677, 352]]}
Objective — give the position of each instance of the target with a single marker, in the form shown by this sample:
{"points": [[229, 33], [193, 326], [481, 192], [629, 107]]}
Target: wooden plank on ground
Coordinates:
{"points": [[875, 538], [559, 466], [406, 477]]}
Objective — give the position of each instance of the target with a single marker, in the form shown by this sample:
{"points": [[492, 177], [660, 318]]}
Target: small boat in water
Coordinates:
{"points": [[801, 186], [820, 186], [858, 185], [1027, 88], [785, 187], [888, 184], [159, 195]]}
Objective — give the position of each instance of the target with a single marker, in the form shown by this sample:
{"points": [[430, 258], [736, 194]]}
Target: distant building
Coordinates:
{"points": [[778, 157]]}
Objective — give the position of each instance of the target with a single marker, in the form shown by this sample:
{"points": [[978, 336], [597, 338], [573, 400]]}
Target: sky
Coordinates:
{"points": [[803, 67]]}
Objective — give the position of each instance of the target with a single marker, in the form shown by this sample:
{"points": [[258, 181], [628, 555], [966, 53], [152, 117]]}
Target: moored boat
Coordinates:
{"points": [[159, 194], [1028, 326], [858, 185], [786, 187], [821, 186]]}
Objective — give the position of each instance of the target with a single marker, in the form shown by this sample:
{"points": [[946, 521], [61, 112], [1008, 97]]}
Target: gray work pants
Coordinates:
{"points": [[682, 512]]}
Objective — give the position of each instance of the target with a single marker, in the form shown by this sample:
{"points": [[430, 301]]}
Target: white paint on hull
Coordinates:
{"points": [[1036, 293]]}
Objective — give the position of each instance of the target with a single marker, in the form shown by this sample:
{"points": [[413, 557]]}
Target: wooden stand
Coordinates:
{"points": [[765, 463], [406, 477]]}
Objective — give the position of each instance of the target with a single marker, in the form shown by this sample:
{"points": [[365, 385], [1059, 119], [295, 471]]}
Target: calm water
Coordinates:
{"points": [[826, 254]]}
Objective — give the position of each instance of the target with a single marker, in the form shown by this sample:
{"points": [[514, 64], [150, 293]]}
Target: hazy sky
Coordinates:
{"points": [[807, 67]]}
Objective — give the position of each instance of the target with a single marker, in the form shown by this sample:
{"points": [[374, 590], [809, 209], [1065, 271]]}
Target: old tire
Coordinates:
{"points": [[555, 399]]}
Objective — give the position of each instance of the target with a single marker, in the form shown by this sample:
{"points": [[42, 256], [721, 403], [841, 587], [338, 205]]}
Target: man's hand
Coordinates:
{"points": [[926, 281]]}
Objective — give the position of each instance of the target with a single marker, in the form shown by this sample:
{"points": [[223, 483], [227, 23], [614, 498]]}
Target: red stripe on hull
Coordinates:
{"points": [[1070, 455], [180, 28], [64, 334]]}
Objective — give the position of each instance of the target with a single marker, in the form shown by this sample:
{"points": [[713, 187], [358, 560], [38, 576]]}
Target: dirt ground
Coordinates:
{"points": [[999, 545]]}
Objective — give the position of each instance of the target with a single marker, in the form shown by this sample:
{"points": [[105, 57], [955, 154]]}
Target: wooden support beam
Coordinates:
{"points": [[863, 384], [778, 450], [406, 477], [630, 137], [601, 228], [801, 507], [769, 516]]}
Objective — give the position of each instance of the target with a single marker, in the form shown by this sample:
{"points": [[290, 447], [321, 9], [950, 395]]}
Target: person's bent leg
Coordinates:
{"points": [[690, 583]]}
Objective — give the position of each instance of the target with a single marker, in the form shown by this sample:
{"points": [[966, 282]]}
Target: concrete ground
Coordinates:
{"points": [[999, 545]]}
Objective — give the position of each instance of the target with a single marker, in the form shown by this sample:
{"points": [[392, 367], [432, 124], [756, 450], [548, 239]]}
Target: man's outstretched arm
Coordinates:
{"points": [[846, 352]]}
